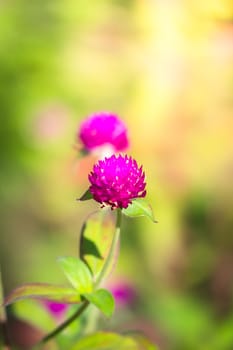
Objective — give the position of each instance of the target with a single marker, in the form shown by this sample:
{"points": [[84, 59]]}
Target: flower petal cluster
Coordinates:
{"points": [[101, 129], [116, 180]]}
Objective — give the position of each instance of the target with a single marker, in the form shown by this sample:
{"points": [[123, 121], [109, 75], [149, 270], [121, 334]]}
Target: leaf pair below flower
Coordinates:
{"points": [[138, 207], [81, 279], [82, 288]]}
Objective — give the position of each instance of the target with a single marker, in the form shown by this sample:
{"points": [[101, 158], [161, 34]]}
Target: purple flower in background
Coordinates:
{"points": [[124, 293], [56, 309], [50, 123], [103, 129], [116, 180]]}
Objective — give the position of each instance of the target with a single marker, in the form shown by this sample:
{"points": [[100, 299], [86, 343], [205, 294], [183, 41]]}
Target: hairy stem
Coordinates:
{"points": [[112, 250], [85, 304], [66, 323]]}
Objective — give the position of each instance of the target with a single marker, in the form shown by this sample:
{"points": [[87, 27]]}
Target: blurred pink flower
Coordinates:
{"points": [[56, 309], [103, 130], [124, 293], [51, 123]]}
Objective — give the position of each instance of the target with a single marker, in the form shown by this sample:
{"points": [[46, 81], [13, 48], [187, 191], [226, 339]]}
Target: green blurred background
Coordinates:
{"points": [[166, 68]]}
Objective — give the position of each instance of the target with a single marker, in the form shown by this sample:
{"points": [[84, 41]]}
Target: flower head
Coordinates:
{"points": [[101, 129], [116, 180]]}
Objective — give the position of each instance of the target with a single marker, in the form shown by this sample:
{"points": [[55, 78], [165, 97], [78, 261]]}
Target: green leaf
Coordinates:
{"points": [[43, 291], [90, 248], [86, 196], [106, 341], [139, 207], [103, 300], [78, 273], [96, 239]]}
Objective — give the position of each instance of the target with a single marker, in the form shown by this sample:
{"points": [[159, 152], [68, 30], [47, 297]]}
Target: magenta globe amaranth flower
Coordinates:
{"points": [[116, 180], [103, 129]]}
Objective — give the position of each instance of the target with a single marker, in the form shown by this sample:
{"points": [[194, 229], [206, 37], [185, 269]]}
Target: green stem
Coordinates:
{"points": [[4, 338], [85, 304], [112, 250], [66, 323]]}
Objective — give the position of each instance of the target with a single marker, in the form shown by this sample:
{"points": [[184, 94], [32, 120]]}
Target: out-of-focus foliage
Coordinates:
{"points": [[166, 68]]}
